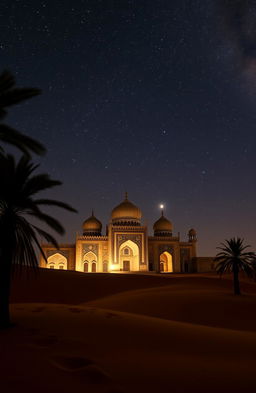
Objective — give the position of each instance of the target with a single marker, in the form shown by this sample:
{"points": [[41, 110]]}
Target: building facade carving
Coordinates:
{"points": [[126, 247]]}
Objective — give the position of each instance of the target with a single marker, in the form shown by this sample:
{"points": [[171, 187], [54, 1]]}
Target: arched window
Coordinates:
{"points": [[89, 258], [57, 260], [126, 251], [93, 267], [86, 267]]}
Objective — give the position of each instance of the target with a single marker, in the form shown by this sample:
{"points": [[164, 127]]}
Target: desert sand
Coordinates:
{"points": [[129, 333]]}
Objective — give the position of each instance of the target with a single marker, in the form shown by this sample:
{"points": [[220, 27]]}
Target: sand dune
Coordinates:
{"points": [[182, 303], [129, 334], [101, 350], [55, 286]]}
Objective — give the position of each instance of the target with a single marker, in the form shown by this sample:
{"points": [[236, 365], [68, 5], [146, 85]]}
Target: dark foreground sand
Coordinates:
{"points": [[129, 333]]}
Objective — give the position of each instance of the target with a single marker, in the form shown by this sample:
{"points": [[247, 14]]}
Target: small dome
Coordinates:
{"points": [[192, 235], [163, 227], [92, 226], [126, 213]]}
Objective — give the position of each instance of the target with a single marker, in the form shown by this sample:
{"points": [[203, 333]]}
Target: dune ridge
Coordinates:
{"points": [[125, 333]]}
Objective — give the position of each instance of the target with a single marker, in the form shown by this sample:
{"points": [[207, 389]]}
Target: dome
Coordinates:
{"points": [[162, 227], [92, 226], [192, 235], [126, 213]]}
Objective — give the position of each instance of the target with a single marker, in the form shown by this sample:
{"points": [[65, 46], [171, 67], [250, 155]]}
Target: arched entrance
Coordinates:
{"points": [[129, 256], [57, 261], [90, 262], [166, 264]]}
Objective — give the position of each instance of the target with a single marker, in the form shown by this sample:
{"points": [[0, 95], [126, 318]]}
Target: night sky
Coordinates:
{"points": [[153, 97]]}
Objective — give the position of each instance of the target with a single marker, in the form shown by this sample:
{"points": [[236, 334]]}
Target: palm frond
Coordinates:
{"points": [[11, 95], [17, 95], [39, 183], [7, 81], [23, 142], [52, 202], [18, 186], [24, 254], [234, 257], [47, 236], [50, 221]]}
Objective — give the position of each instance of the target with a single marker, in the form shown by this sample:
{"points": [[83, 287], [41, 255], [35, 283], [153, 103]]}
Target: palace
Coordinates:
{"points": [[126, 247]]}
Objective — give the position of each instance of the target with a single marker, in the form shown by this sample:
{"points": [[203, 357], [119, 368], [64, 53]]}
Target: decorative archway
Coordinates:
{"points": [[90, 262], [57, 261], [90, 256], [166, 264], [129, 256]]}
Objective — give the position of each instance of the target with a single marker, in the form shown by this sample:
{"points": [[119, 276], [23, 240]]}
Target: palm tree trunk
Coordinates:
{"points": [[236, 280], [6, 255], [5, 285]]}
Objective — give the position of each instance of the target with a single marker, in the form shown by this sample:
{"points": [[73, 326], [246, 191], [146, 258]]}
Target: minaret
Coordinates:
{"points": [[192, 238]]}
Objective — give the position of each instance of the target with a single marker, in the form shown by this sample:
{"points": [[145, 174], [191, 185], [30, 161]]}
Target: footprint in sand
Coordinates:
{"points": [[33, 331], [71, 363], [38, 309], [46, 341], [75, 309], [112, 315], [83, 367]]}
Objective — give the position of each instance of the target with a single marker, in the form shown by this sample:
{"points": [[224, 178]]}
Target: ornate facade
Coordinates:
{"points": [[126, 247]]}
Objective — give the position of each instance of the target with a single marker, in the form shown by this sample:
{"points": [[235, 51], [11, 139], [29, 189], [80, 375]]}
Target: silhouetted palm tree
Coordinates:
{"points": [[9, 96], [233, 258], [18, 236]]}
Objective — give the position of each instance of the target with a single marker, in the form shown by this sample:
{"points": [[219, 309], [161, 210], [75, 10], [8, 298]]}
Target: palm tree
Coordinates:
{"points": [[233, 258], [18, 236], [9, 96]]}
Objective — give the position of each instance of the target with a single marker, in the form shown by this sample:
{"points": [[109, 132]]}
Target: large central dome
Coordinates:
{"points": [[126, 213]]}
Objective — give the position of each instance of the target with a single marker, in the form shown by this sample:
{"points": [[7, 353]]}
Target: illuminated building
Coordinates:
{"points": [[126, 247]]}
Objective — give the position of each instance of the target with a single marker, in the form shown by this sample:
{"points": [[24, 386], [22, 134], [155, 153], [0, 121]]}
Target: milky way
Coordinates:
{"points": [[141, 96]]}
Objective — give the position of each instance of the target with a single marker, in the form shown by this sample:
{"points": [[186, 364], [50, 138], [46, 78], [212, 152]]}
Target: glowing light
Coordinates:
{"points": [[161, 206]]}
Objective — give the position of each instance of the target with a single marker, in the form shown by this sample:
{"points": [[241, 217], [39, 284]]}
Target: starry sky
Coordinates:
{"points": [[153, 97]]}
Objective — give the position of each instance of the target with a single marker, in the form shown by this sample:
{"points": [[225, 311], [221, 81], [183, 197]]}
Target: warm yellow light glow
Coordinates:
{"points": [[166, 261], [161, 206]]}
